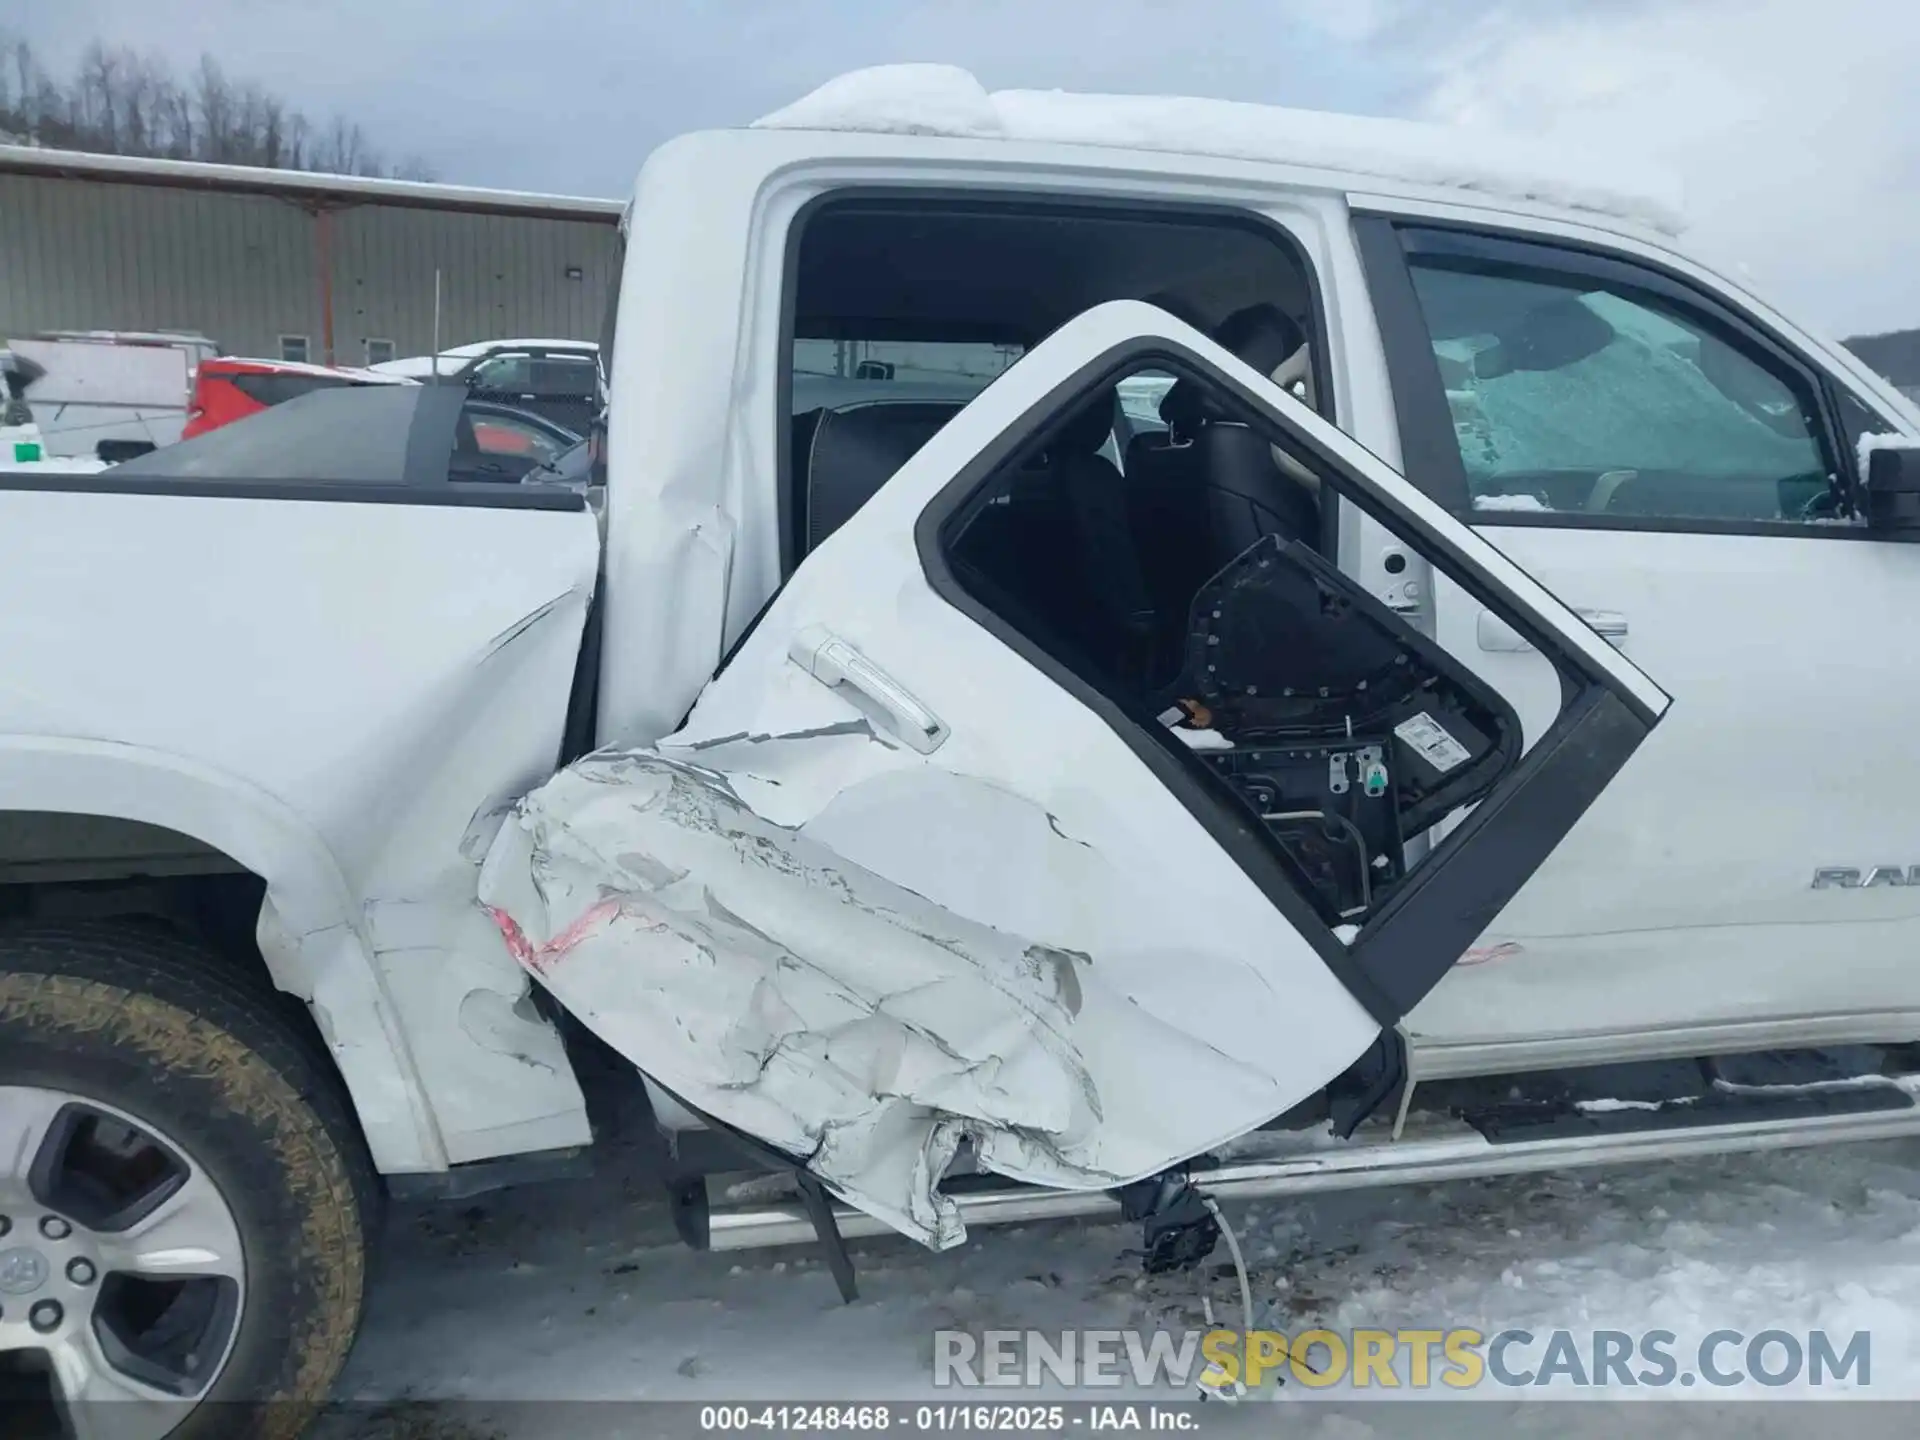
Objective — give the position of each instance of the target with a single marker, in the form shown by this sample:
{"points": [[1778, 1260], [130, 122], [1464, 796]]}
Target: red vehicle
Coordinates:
{"points": [[227, 388]]}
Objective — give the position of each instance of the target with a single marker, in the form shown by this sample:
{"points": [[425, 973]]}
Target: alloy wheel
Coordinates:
{"points": [[122, 1276]]}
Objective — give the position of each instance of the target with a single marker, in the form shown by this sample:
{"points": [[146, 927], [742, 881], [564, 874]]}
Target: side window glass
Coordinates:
{"points": [[1859, 419], [497, 435], [1574, 398], [503, 374], [490, 446], [563, 377]]}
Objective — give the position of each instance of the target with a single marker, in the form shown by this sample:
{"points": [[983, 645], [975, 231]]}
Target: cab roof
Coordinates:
{"points": [[944, 100]]}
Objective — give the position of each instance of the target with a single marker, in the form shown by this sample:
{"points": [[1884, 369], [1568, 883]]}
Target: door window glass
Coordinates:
{"points": [[504, 435], [1860, 419], [562, 377], [1572, 397], [504, 373]]}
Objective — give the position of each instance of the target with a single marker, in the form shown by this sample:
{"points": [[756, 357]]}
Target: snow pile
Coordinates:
{"points": [[946, 100], [895, 100], [18, 439], [1871, 443], [1509, 502], [582, 1292]]}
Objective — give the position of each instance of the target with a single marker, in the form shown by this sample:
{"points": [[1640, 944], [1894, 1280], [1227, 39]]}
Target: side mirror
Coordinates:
{"points": [[1893, 483]]}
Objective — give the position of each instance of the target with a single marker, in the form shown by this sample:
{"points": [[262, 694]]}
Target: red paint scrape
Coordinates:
{"points": [[540, 958]]}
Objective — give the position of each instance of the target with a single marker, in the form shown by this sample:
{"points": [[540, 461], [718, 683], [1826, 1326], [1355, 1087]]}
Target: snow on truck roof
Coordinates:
{"points": [[948, 101]]}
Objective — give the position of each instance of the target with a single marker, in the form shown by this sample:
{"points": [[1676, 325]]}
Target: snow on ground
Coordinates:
{"points": [[580, 1291]]}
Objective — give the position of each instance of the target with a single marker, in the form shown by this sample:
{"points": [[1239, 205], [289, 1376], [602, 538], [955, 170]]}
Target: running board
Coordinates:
{"points": [[1443, 1150]]}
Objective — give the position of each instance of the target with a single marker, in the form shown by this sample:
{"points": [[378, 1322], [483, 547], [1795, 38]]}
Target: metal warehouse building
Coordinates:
{"points": [[285, 264]]}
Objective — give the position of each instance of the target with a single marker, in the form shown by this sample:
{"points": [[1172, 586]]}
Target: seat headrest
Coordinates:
{"points": [[1183, 408], [1087, 428], [857, 449], [1262, 335]]}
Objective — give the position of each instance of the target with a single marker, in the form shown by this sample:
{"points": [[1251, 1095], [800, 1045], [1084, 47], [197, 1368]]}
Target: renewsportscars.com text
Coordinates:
{"points": [[1456, 1358]]}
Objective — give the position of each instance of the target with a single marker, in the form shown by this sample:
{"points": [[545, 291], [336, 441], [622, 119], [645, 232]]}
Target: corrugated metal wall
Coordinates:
{"points": [[86, 255], [76, 255], [499, 275]]}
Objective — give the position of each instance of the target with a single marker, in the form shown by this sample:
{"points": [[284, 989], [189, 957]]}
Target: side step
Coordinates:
{"points": [[1434, 1148]]}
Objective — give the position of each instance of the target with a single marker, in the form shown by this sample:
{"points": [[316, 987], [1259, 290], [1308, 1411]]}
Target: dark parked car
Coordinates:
{"points": [[504, 442], [559, 379]]}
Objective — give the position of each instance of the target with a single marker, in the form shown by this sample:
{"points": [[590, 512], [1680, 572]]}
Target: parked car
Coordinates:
{"points": [[106, 393], [958, 819], [559, 379], [230, 387], [506, 442], [573, 466]]}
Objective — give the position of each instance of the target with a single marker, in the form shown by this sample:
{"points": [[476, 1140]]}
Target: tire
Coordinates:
{"points": [[166, 1033]]}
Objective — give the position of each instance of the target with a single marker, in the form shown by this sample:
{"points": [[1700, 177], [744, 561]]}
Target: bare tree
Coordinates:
{"points": [[214, 101], [119, 102]]}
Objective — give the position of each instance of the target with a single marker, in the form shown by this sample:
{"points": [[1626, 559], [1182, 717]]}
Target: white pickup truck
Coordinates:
{"points": [[1116, 654]]}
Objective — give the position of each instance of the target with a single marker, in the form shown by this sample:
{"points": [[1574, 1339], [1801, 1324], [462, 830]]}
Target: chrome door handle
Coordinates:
{"points": [[1496, 635], [834, 663]]}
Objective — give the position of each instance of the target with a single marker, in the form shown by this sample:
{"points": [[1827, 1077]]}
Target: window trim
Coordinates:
{"points": [[1003, 197], [370, 341], [1429, 447], [477, 495], [306, 349]]}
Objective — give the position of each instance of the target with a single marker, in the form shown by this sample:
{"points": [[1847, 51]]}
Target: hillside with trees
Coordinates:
{"points": [[120, 102]]}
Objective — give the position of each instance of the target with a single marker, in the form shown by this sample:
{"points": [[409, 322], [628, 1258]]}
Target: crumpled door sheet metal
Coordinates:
{"points": [[806, 1000]]}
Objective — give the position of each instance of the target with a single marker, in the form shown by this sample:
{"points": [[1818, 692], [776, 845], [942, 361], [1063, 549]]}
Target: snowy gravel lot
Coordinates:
{"points": [[580, 1291]]}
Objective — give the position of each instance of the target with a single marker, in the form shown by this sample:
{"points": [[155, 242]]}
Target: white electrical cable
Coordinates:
{"points": [[1240, 1270]]}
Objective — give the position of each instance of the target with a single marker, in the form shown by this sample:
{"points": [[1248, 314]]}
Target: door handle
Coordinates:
{"points": [[1496, 635], [835, 663]]}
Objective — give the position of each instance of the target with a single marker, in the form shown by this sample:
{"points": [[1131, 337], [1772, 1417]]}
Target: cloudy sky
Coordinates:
{"points": [[1793, 124]]}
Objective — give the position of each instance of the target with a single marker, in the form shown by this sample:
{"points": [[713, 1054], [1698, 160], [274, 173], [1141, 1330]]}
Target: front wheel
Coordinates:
{"points": [[182, 1244]]}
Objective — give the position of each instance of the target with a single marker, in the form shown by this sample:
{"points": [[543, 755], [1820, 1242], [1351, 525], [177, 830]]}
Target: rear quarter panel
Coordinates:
{"points": [[365, 687]]}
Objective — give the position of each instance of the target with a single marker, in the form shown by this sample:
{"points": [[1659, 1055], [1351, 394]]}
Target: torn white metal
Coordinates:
{"points": [[847, 1019], [893, 886]]}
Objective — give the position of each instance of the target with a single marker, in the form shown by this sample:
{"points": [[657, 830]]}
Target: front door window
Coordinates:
{"points": [[1573, 397]]}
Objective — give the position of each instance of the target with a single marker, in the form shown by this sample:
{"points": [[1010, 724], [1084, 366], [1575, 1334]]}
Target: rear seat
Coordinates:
{"points": [[843, 456], [1062, 548]]}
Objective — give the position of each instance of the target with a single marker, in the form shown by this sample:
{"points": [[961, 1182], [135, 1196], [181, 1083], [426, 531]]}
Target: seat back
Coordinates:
{"points": [[850, 452], [1113, 608], [1248, 498], [1165, 485]]}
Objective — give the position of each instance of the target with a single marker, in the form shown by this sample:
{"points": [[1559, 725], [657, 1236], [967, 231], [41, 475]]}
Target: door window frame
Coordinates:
{"points": [[1008, 198], [1430, 449], [1390, 965]]}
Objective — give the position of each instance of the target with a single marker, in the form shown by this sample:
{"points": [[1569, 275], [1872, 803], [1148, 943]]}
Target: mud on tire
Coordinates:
{"points": [[148, 1024]]}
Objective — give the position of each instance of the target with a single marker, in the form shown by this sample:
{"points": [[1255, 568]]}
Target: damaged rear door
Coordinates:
{"points": [[980, 840]]}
